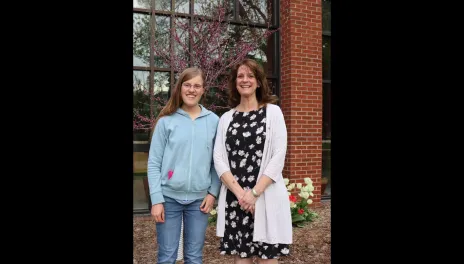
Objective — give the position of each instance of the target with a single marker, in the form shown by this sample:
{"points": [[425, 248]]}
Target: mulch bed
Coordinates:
{"points": [[311, 243]]}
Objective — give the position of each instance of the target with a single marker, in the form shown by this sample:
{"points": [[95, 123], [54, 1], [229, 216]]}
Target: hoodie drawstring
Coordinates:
{"points": [[207, 134]]}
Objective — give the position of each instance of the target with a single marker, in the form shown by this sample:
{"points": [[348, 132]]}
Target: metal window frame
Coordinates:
{"points": [[327, 33]]}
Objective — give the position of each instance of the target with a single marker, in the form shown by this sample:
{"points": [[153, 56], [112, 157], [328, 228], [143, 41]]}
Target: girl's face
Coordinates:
{"points": [[192, 90]]}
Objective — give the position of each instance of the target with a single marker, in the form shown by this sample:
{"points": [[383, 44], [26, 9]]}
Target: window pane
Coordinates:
{"points": [[326, 15], [250, 35], [326, 57], [238, 39], [210, 9], [271, 67], [161, 83], [207, 39], [326, 111], [141, 99], [326, 169], [182, 6], [141, 191], [241, 36], [141, 104], [163, 5], [140, 96], [216, 95], [273, 86], [181, 44], [254, 11], [142, 4], [162, 41], [141, 40]]}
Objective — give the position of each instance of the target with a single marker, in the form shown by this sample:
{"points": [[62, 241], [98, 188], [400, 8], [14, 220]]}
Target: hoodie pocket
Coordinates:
{"points": [[200, 179], [178, 179]]}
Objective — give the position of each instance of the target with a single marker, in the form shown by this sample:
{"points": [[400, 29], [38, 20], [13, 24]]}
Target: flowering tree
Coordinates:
{"points": [[209, 41], [299, 207]]}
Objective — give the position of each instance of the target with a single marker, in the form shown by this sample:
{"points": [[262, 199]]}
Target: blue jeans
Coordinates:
{"points": [[168, 233]]}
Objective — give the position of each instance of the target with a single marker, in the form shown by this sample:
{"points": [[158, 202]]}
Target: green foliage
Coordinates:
{"points": [[212, 218], [299, 207]]}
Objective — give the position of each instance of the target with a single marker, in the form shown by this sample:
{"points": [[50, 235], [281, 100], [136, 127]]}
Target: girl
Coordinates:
{"points": [[182, 179]]}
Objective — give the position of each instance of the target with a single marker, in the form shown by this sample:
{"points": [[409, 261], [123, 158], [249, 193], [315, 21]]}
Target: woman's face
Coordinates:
{"points": [[192, 90], [246, 81]]}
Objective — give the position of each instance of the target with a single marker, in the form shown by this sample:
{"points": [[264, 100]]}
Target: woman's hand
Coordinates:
{"points": [[157, 211], [252, 210], [247, 201], [207, 204]]}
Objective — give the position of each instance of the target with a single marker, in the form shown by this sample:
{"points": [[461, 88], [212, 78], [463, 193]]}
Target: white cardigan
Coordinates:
{"points": [[272, 221]]}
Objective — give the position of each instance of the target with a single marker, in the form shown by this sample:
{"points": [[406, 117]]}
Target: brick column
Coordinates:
{"points": [[301, 89]]}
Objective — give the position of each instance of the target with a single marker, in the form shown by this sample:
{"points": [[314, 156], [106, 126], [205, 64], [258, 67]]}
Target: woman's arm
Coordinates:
{"points": [[232, 184]]}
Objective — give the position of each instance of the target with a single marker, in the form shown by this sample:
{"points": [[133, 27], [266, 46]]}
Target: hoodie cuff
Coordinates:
{"points": [[212, 194], [156, 198]]}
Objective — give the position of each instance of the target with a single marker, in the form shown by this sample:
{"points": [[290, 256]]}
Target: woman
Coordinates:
{"points": [[182, 179], [249, 153]]}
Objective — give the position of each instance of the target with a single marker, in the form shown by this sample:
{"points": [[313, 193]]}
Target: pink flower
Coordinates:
{"points": [[170, 173], [300, 211]]}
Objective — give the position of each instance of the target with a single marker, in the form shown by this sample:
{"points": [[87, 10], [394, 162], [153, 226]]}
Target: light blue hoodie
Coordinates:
{"points": [[180, 161]]}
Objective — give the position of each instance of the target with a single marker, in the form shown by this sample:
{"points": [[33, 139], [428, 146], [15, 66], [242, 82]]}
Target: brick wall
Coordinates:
{"points": [[301, 89]]}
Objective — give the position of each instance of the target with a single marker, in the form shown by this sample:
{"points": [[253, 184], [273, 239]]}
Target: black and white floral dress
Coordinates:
{"points": [[244, 144]]}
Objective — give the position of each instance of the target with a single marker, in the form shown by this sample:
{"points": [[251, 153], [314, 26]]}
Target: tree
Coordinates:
{"points": [[209, 41]]}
